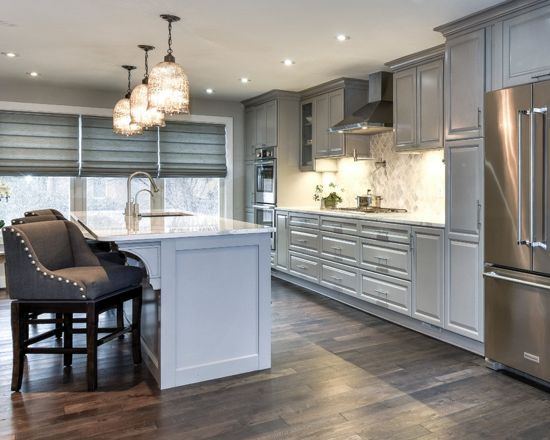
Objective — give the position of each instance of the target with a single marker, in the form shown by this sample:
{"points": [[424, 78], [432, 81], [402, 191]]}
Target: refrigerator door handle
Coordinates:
{"points": [[497, 276], [521, 113], [532, 115]]}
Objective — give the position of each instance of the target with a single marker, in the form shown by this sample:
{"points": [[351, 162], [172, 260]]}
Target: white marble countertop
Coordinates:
{"points": [[405, 218], [114, 226]]}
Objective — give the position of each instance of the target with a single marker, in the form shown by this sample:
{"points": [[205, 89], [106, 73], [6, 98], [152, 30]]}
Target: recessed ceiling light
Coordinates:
{"points": [[10, 54], [244, 80], [209, 91], [33, 74], [342, 37], [288, 62]]}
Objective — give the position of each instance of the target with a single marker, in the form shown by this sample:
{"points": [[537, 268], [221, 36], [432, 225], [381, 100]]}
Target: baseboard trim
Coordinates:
{"points": [[402, 320]]}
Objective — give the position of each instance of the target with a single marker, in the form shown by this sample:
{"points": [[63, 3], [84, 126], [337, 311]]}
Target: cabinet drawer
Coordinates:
{"points": [[386, 231], [304, 240], [341, 278], [303, 220], [388, 292], [304, 267], [339, 224], [341, 248], [388, 258]]}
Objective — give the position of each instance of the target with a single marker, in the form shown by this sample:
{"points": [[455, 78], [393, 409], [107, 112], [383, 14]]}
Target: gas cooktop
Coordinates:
{"points": [[370, 209]]}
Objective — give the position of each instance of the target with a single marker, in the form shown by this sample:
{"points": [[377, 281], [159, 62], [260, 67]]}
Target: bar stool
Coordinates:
{"points": [[50, 269]]}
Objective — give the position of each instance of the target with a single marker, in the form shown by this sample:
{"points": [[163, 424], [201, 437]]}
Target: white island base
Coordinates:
{"points": [[212, 316]]}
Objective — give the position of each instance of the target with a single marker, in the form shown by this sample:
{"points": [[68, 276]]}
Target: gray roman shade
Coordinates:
{"points": [[37, 143], [192, 149], [107, 154]]}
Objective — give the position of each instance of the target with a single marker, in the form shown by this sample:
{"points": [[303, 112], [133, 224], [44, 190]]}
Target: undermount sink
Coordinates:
{"points": [[165, 214]]}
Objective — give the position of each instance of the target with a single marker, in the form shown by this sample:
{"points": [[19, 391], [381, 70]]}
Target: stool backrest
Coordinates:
{"points": [[48, 211], [33, 219]]}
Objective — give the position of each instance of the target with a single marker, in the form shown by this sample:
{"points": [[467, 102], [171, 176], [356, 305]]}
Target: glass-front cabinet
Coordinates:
{"points": [[307, 154]]}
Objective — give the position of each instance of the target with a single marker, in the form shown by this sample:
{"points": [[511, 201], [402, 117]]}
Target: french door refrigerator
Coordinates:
{"points": [[517, 207]]}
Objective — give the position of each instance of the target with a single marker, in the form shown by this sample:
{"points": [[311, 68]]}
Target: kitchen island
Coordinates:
{"points": [[207, 312]]}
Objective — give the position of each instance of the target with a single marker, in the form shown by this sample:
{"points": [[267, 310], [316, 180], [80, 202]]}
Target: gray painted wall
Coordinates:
{"points": [[32, 91]]}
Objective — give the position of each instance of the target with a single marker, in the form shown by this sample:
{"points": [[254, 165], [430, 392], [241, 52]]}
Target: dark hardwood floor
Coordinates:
{"points": [[337, 374]]}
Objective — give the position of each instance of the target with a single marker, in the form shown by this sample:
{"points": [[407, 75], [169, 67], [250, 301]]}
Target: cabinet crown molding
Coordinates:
{"points": [[335, 84], [270, 96], [489, 15], [414, 59]]}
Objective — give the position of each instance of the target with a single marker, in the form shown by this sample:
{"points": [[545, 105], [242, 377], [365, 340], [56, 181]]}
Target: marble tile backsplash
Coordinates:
{"points": [[415, 182]]}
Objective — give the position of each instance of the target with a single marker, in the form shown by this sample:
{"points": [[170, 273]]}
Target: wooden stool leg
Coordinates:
{"points": [[136, 329], [18, 338], [59, 325], [91, 346], [120, 318], [68, 338]]}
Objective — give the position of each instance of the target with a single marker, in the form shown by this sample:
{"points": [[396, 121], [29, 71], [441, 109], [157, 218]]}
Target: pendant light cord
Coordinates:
{"points": [[146, 63], [129, 80], [170, 37]]}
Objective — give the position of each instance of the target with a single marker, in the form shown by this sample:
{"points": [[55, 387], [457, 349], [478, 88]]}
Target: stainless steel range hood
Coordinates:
{"points": [[377, 115]]}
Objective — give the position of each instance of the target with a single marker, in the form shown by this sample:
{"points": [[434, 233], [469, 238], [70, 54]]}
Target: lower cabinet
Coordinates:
{"points": [[387, 292], [281, 260], [304, 267], [428, 274], [339, 277]]}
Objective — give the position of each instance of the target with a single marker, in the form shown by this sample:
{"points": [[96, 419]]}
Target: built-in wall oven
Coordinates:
{"points": [[265, 188], [265, 215], [265, 170]]}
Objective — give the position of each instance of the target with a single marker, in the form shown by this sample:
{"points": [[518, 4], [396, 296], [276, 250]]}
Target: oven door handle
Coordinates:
{"points": [[264, 162]]}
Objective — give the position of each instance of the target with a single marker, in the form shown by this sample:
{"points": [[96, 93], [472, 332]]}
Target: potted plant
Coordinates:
{"points": [[329, 197]]}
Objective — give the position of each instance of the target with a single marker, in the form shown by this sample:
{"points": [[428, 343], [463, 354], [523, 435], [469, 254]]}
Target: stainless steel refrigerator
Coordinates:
{"points": [[517, 207]]}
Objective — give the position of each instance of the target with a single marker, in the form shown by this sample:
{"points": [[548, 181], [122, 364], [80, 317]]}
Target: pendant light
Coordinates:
{"points": [[122, 121], [140, 111], [168, 84]]}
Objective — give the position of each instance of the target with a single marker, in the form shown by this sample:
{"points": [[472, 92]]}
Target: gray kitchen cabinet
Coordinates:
{"points": [[281, 241], [464, 85], [428, 249], [335, 115], [307, 152], [321, 125], [261, 126], [418, 99], [404, 108], [525, 48], [271, 123], [250, 133], [464, 238], [429, 93]]}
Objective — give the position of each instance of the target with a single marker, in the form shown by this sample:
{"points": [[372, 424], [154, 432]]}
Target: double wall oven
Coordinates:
{"points": [[265, 188]]}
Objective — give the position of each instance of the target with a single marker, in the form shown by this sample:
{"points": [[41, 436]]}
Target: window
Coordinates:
{"points": [[33, 192], [199, 195], [109, 193]]}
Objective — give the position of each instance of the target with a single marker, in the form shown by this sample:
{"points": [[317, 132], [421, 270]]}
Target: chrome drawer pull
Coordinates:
{"points": [[299, 240], [335, 278], [336, 248], [299, 266], [386, 259], [381, 292]]}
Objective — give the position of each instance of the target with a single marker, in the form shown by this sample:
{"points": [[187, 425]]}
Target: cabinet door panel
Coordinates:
{"points": [[336, 114], [464, 295], [430, 105], [428, 275], [464, 167], [321, 118], [271, 123], [250, 132], [404, 108], [526, 53], [249, 185], [261, 126], [465, 85], [281, 248]]}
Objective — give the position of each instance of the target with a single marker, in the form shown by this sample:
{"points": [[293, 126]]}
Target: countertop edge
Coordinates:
{"points": [[367, 216]]}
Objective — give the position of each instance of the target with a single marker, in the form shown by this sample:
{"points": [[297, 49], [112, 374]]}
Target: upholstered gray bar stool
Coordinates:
{"points": [[51, 269]]}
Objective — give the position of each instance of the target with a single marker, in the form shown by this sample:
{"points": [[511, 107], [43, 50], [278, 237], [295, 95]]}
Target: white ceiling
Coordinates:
{"points": [[79, 43]]}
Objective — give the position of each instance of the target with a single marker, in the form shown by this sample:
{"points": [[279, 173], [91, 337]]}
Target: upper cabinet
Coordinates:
{"points": [[418, 100], [250, 133], [260, 127], [525, 48], [464, 85], [322, 107]]}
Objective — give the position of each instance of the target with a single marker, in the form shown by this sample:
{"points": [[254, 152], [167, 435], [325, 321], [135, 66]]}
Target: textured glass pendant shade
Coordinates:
{"points": [[169, 88], [140, 111], [122, 121]]}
